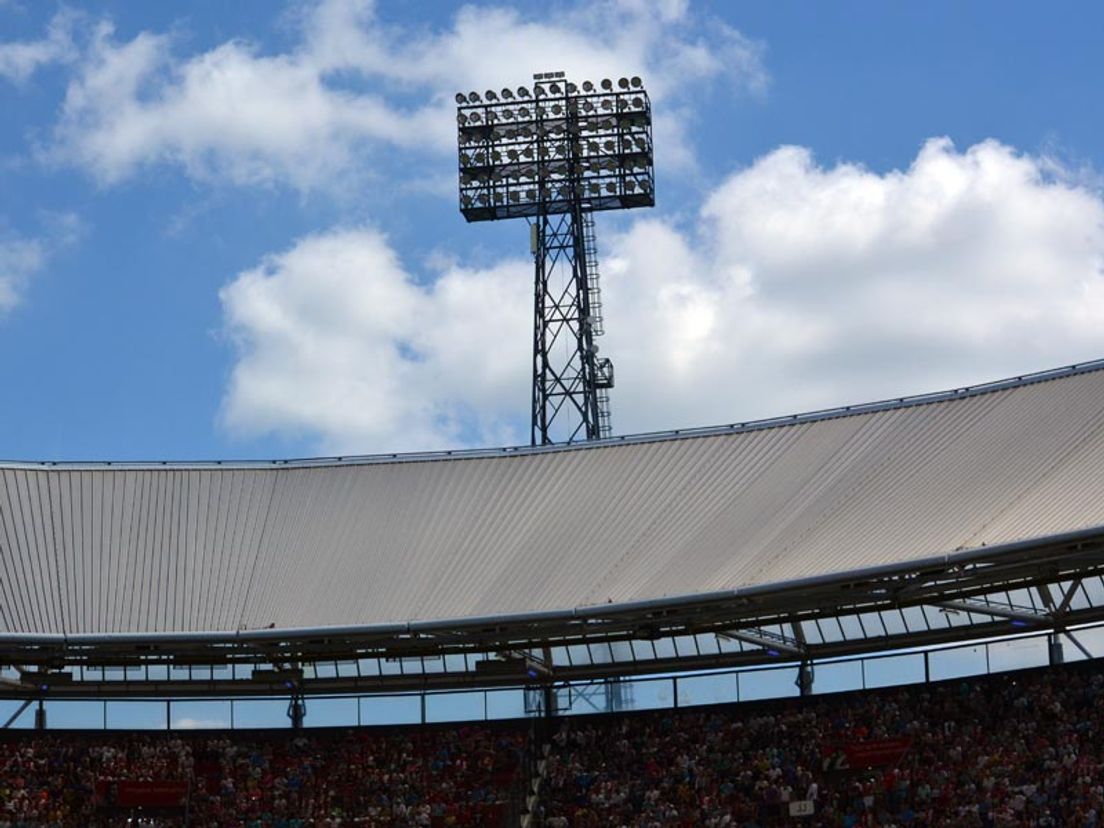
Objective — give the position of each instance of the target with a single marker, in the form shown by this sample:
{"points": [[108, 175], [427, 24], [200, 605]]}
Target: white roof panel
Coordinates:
{"points": [[99, 548]]}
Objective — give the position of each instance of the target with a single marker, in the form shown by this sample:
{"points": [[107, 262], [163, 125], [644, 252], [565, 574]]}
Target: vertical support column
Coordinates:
{"points": [[297, 708], [40, 715], [565, 387], [1054, 649]]}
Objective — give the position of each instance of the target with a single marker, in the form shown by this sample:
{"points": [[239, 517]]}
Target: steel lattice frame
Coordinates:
{"points": [[554, 156]]}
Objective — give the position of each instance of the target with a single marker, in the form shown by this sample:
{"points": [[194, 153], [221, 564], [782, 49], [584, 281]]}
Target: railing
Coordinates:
{"points": [[578, 698]]}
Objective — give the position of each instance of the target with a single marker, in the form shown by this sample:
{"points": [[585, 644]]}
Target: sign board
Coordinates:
{"points": [[802, 807]]}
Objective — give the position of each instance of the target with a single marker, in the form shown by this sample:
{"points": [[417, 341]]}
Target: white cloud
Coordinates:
{"points": [[355, 85], [338, 341], [20, 259], [21, 59], [802, 286]]}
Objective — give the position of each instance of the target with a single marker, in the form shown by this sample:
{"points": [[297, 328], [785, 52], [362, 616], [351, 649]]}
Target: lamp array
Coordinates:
{"points": [[523, 152]]}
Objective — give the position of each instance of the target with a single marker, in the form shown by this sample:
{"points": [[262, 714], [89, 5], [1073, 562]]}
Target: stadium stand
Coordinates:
{"points": [[464, 776], [1021, 749]]}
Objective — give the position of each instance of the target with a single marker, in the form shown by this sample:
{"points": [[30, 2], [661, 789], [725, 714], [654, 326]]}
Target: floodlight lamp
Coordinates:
{"points": [[474, 118], [473, 97], [490, 95], [607, 105], [636, 82], [461, 98], [571, 88], [508, 114], [607, 84], [588, 86], [623, 83], [555, 89], [523, 112], [507, 95], [638, 103], [522, 92], [461, 119], [588, 106], [538, 92]]}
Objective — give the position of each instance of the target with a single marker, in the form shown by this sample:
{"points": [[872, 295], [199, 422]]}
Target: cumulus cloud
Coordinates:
{"points": [[799, 286], [20, 59], [336, 340], [355, 85]]}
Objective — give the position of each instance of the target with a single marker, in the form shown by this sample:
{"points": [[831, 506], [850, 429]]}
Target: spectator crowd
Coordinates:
{"points": [[1013, 750], [413, 777]]}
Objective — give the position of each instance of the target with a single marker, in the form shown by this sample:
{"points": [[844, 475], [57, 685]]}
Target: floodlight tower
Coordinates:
{"points": [[554, 156]]}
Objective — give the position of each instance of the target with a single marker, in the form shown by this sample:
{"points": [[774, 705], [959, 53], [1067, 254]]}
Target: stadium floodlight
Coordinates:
{"points": [[559, 153]]}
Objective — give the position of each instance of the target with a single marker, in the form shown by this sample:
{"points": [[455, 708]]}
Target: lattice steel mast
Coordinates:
{"points": [[554, 156]]}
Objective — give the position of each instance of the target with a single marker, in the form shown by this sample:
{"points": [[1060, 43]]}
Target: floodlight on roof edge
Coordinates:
{"points": [[569, 151]]}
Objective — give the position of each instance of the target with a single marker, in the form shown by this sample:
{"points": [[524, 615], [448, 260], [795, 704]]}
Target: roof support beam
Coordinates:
{"points": [[994, 611], [764, 639]]}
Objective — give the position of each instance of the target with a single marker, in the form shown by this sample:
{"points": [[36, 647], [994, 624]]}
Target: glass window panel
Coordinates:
{"points": [[73, 715], [643, 695], [265, 713], [957, 662], [893, 623], [600, 653], [914, 619], [1018, 653], [1079, 601], [1092, 639], [579, 654], [582, 699], [718, 688], [454, 663], [622, 651], [376, 710], [852, 629], [686, 646], [325, 669], [894, 670], [330, 712], [728, 645], [873, 623], [559, 656], [454, 707], [830, 629], [812, 632], [505, 704], [199, 715], [837, 676], [137, 715], [775, 683], [643, 650], [707, 644], [390, 667], [433, 664], [370, 666], [665, 648], [347, 669], [8, 708], [158, 672], [221, 672]]}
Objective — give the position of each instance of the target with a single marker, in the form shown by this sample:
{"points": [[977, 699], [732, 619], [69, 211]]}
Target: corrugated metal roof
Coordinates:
{"points": [[88, 548]]}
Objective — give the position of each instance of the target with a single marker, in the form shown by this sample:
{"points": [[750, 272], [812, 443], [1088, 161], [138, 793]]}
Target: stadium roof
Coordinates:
{"points": [[91, 549]]}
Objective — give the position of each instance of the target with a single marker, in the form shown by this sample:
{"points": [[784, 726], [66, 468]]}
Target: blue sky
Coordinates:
{"points": [[230, 230]]}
